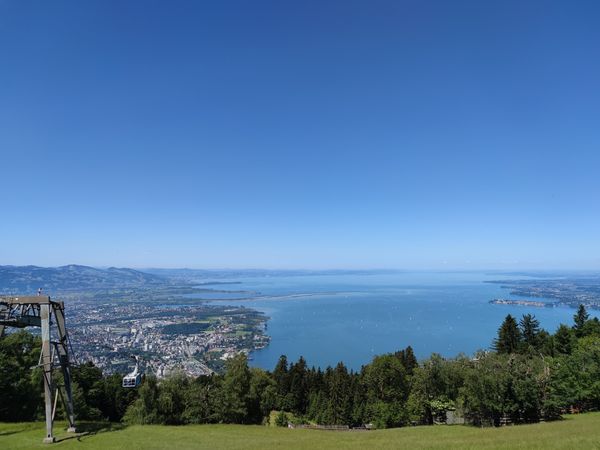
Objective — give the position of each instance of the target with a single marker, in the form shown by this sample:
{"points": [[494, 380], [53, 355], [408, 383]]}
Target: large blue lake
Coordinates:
{"points": [[350, 318]]}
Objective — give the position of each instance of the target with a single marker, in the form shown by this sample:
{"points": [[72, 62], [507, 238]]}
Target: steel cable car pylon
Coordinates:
{"points": [[40, 311]]}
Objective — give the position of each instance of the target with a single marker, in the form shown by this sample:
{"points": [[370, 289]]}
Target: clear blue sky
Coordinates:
{"points": [[316, 134]]}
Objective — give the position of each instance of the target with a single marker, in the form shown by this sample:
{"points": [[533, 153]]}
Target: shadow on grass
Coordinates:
{"points": [[86, 429], [8, 433]]}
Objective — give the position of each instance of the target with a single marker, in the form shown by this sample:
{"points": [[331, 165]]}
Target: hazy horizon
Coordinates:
{"points": [[491, 270]]}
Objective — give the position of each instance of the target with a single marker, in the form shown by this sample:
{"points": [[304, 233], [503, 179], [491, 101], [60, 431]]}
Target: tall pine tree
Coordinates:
{"points": [[580, 318], [530, 330], [564, 340], [235, 390], [509, 336], [408, 359], [298, 395], [282, 381]]}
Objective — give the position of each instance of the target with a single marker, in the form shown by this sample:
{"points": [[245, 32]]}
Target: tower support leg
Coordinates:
{"points": [[47, 368], [63, 355]]}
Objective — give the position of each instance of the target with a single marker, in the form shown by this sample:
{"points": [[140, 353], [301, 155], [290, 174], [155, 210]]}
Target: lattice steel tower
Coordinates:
{"points": [[40, 311]]}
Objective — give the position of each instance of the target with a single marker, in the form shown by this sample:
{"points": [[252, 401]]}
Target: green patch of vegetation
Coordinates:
{"points": [[186, 328], [243, 333]]}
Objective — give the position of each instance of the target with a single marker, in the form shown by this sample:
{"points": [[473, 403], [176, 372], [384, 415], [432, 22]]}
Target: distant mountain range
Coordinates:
{"points": [[28, 279]]}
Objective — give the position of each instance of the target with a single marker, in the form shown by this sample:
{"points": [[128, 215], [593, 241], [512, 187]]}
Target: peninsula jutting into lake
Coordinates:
{"points": [[532, 303], [571, 289]]}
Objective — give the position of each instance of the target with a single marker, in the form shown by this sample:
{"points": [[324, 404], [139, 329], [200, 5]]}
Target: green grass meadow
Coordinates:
{"points": [[574, 432]]}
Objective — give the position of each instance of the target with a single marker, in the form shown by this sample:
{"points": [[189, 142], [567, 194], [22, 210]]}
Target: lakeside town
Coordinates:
{"points": [[196, 339]]}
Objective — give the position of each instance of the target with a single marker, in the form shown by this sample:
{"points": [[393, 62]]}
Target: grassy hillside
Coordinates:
{"points": [[575, 432]]}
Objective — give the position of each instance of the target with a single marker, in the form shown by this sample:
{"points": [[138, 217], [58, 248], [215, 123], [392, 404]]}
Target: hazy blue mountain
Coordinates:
{"points": [[27, 279]]}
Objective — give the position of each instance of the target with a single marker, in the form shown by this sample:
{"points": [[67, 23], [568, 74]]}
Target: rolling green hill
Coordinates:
{"points": [[575, 432]]}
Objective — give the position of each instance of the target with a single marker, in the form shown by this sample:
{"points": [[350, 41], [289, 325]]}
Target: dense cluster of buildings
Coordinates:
{"points": [[194, 339]]}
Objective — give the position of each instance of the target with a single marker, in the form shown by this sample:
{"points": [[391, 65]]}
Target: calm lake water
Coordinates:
{"points": [[351, 318]]}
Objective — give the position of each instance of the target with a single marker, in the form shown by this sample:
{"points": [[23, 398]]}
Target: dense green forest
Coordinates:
{"points": [[530, 375]]}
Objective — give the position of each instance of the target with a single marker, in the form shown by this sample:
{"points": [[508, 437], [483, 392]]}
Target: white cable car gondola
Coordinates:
{"points": [[133, 379]]}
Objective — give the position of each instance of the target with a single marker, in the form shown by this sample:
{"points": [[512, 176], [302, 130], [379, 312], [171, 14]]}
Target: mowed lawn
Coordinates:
{"points": [[575, 432]]}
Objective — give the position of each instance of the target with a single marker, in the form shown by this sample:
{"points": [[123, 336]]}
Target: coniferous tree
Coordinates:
{"points": [[87, 391], [358, 400], [340, 396], [314, 400], [263, 395], [298, 394], [280, 375], [580, 318], [564, 340], [545, 343], [591, 327], [509, 336], [235, 390], [408, 359], [530, 330]]}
